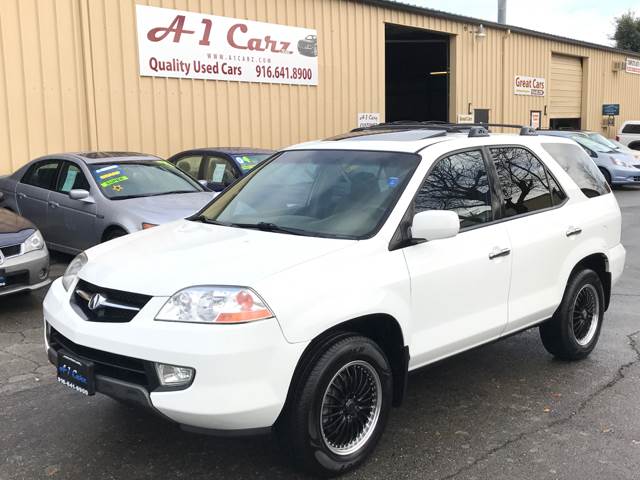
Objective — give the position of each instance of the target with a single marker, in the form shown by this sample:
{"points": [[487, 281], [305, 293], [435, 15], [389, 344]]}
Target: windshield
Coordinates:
{"points": [[327, 193], [596, 137], [590, 144], [118, 181], [246, 161]]}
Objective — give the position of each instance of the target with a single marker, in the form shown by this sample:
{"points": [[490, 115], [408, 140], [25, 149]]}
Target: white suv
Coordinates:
{"points": [[300, 297], [629, 134]]}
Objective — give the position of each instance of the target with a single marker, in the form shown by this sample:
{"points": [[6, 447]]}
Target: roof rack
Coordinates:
{"points": [[479, 129]]}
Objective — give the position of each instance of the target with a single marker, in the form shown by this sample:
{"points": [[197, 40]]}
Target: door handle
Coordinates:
{"points": [[21, 195], [54, 204], [574, 231], [499, 252]]}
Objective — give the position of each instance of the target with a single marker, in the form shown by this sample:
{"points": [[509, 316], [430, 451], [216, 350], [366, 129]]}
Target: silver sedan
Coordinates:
{"points": [[78, 200]]}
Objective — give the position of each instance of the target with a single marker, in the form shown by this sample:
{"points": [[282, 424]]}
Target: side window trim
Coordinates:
{"points": [[548, 173]]}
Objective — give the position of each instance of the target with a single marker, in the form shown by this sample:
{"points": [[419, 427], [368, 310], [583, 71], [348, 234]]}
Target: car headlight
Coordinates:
{"points": [[71, 273], [33, 243], [621, 163], [212, 304]]}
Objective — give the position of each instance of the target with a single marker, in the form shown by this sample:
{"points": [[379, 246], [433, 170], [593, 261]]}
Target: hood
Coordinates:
{"points": [[166, 208], [14, 229], [162, 260]]}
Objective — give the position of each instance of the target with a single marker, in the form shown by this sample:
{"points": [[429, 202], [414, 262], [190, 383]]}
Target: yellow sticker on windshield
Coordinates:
{"points": [[117, 188], [113, 181], [110, 174]]}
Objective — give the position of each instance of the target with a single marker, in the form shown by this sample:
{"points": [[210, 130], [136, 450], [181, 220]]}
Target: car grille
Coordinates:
{"points": [[636, 179], [11, 250], [127, 369], [135, 301]]}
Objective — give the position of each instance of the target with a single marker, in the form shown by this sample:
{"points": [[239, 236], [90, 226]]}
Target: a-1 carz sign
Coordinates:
{"points": [[180, 44]]}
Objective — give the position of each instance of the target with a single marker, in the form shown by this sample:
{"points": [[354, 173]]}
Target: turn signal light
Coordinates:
{"points": [[148, 225]]}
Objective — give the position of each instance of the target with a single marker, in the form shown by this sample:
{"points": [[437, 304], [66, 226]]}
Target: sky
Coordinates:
{"points": [[588, 20]]}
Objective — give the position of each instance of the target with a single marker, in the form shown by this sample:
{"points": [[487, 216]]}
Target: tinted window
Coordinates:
{"points": [[523, 180], [190, 165], [579, 167], [71, 178], [330, 193], [459, 183], [631, 128], [219, 170], [42, 174]]}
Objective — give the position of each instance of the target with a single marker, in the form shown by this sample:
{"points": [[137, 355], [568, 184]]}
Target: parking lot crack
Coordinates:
{"points": [[619, 375]]}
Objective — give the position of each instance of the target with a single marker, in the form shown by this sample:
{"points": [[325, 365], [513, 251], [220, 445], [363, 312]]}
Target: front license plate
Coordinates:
{"points": [[76, 374]]}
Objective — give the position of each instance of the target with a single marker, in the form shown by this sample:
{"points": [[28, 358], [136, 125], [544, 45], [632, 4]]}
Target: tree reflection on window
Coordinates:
{"points": [[523, 179], [459, 183]]}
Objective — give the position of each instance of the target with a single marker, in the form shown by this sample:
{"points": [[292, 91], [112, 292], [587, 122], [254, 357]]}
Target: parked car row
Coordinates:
{"points": [[73, 201]]}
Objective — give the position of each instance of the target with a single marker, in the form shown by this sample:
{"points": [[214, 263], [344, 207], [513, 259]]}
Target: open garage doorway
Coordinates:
{"points": [[417, 74]]}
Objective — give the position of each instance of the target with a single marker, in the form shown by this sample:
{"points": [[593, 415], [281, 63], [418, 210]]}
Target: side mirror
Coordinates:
{"points": [[435, 224], [217, 186], [78, 194]]}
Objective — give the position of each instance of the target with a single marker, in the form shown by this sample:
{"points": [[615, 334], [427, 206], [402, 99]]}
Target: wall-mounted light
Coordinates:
{"points": [[439, 73], [479, 32]]}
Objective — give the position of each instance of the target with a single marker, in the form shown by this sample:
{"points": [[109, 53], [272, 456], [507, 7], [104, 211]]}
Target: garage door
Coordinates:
{"points": [[566, 87]]}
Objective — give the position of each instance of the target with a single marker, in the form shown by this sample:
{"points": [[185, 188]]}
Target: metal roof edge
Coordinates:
{"points": [[406, 7]]}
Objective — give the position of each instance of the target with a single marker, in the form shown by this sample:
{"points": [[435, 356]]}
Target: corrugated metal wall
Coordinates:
{"points": [[69, 78]]}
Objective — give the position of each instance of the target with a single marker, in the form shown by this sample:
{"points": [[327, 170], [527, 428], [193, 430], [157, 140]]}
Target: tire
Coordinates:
{"points": [[324, 430], [113, 233], [607, 176], [574, 330]]}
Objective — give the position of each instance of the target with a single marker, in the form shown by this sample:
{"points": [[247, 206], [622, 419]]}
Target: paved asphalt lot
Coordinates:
{"points": [[503, 411]]}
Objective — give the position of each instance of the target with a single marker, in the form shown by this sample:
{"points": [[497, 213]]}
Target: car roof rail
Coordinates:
{"points": [[478, 132], [528, 132]]}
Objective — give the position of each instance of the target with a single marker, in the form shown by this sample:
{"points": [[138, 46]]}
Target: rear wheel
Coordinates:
{"points": [[339, 409], [574, 330]]}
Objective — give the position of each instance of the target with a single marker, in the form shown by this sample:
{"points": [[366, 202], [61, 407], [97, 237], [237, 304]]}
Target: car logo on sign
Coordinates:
{"points": [[96, 301]]}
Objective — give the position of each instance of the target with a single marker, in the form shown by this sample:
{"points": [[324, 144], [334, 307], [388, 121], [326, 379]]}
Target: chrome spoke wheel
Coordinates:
{"points": [[585, 314], [351, 407]]}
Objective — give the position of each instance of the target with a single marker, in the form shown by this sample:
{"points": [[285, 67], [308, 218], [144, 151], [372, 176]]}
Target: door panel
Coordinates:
{"points": [[459, 285], [459, 295], [32, 193], [72, 221]]}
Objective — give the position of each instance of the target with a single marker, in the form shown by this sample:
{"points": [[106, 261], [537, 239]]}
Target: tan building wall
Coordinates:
{"points": [[69, 78]]}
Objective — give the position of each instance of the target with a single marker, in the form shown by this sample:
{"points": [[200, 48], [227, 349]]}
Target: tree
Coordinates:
{"points": [[627, 34]]}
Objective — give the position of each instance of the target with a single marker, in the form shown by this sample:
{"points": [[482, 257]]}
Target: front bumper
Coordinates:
{"points": [[29, 271], [242, 374], [625, 175]]}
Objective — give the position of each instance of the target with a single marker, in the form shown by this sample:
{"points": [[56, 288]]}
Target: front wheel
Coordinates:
{"points": [[574, 330], [607, 175], [339, 409]]}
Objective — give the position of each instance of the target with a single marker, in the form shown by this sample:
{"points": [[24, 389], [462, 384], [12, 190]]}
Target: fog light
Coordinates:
{"points": [[172, 376], [43, 274]]}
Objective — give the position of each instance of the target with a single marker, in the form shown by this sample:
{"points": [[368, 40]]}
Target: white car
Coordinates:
{"points": [[629, 134], [302, 296]]}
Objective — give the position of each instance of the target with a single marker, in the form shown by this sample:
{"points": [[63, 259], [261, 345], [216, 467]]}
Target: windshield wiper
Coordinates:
{"points": [[203, 219], [171, 192], [271, 227]]}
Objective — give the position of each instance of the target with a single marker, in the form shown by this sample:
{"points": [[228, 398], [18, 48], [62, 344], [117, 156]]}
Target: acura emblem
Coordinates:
{"points": [[96, 301]]}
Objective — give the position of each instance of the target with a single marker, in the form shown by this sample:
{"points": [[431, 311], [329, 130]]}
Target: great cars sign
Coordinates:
{"points": [[533, 86], [632, 66], [181, 44]]}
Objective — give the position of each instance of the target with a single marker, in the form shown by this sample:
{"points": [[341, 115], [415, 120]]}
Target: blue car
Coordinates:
{"points": [[217, 168], [618, 167]]}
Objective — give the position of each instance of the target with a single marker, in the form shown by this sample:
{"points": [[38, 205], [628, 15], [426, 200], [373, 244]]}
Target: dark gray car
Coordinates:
{"points": [[78, 200], [24, 259]]}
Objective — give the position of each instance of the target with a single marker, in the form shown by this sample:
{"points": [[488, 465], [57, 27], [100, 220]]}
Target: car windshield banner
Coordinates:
{"points": [[181, 44]]}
